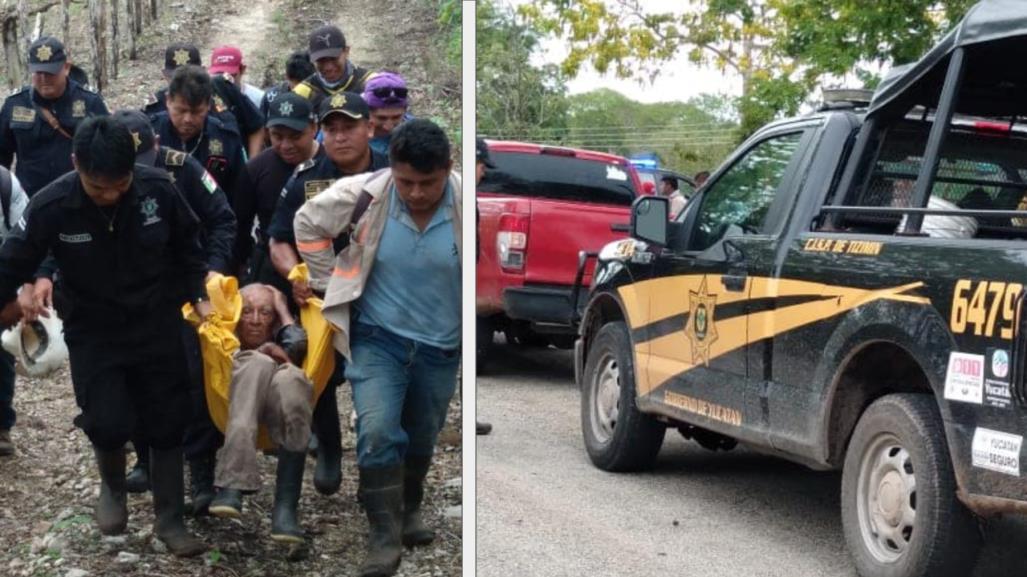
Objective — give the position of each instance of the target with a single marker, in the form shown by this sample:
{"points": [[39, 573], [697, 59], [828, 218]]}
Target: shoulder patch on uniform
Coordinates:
{"points": [[305, 165], [303, 89], [208, 182], [174, 157]]}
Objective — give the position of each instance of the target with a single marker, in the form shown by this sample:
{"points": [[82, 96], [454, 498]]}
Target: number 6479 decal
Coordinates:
{"points": [[984, 307]]}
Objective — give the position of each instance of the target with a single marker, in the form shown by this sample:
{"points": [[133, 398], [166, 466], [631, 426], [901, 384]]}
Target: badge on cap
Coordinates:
{"points": [[181, 57], [43, 53], [78, 108], [338, 101], [136, 140], [216, 148], [285, 109]]}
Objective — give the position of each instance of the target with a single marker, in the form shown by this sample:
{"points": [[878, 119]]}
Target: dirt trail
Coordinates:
{"points": [[47, 491]]}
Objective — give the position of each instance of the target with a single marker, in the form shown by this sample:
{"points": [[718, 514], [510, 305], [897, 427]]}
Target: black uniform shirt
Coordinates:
{"points": [[43, 153], [218, 148], [266, 174], [228, 96], [314, 90], [207, 201], [118, 268], [269, 97], [310, 178]]}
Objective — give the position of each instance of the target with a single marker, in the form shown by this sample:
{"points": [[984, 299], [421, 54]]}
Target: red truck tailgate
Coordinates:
{"points": [[560, 229]]}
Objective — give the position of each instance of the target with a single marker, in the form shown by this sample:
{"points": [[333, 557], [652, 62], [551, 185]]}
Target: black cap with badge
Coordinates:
{"points": [[481, 154], [326, 42], [138, 124], [349, 103], [47, 54], [180, 54], [291, 111]]}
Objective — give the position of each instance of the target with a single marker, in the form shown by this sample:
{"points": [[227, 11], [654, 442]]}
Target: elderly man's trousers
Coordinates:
{"points": [[262, 393]]}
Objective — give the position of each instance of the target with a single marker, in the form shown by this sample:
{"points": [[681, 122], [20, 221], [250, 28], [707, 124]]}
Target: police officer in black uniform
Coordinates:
{"points": [[126, 244], [335, 73], [188, 126], [37, 122], [175, 55], [217, 235], [346, 124]]}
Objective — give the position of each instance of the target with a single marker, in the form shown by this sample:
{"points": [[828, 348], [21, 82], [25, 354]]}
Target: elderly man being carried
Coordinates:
{"points": [[268, 389]]}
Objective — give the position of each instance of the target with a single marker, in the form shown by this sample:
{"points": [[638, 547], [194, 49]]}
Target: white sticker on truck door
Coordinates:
{"points": [[964, 380], [997, 451]]}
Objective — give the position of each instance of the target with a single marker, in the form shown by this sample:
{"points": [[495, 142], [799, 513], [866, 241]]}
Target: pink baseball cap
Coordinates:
{"points": [[225, 59]]}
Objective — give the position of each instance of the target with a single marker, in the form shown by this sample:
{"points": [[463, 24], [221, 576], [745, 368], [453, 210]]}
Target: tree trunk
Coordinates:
{"points": [[13, 52], [153, 10], [24, 33], [98, 41], [130, 13], [65, 20], [137, 11], [115, 39]]}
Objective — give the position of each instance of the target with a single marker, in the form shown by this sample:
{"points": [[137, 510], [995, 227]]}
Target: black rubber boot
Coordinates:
{"points": [[381, 492], [201, 484], [328, 472], [169, 503], [138, 479], [228, 503], [415, 532], [112, 506], [285, 525]]}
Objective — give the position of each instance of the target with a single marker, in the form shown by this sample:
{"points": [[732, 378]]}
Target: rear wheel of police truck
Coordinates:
{"points": [[900, 513], [618, 437]]}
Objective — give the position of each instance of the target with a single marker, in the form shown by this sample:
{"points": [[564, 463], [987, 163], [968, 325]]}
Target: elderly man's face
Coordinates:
{"points": [[258, 317]]}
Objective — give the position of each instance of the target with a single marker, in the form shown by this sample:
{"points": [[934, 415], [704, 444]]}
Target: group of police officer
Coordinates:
{"points": [[131, 213]]}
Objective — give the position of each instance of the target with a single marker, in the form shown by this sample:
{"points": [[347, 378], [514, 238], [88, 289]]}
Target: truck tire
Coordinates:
{"points": [[618, 437], [900, 513]]}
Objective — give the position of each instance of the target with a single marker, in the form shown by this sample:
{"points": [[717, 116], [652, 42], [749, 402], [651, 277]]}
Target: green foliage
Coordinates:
{"points": [[71, 521], [782, 49], [449, 19], [514, 97], [213, 556]]}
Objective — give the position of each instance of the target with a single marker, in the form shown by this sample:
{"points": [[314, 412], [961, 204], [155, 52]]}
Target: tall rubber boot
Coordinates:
{"points": [[201, 484], [169, 503], [328, 472], [415, 532], [381, 492], [112, 506], [285, 526], [138, 479]]}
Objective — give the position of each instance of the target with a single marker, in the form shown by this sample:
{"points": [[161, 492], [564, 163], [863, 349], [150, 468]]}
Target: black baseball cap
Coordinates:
{"points": [[349, 103], [180, 54], [291, 111], [481, 153], [139, 125], [47, 54], [326, 42]]}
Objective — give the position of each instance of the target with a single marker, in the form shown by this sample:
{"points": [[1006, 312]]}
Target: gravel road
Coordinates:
{"points": [[544, 510]]}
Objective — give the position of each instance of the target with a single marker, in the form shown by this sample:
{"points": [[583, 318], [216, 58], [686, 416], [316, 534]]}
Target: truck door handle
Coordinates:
{"points": [[734, 282], [620, 227]]}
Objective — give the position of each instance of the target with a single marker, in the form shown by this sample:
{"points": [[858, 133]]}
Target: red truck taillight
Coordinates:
{"points": [[512, 241]]}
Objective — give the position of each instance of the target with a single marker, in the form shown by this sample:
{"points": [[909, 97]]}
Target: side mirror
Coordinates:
{"points": [[649, 216]]}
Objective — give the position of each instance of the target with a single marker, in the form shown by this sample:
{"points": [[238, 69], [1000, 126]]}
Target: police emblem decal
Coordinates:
{"points": [[700, 328], [78, 108], [216, 148], [181, 57], [149, 210], [43, 53], [285, 108], [338, 101]]}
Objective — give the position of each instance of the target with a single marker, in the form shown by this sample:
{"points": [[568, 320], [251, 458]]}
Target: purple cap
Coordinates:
{"points": [[386, 90]]}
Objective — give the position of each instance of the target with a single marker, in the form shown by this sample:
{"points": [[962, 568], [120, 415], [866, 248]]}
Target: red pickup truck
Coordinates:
{"points": [[538, 208]]}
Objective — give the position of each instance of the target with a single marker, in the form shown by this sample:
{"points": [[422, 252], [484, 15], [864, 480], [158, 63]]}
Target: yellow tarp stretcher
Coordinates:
{"points": [[218, 342]]}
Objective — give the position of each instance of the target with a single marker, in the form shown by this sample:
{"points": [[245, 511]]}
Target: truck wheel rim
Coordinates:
{"points": [[606, 398], [886, 499]]}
